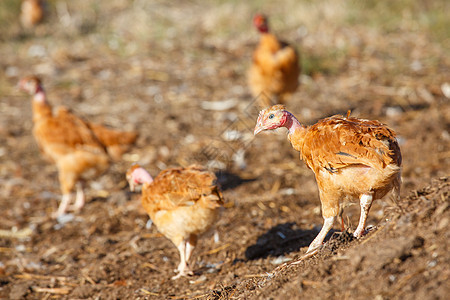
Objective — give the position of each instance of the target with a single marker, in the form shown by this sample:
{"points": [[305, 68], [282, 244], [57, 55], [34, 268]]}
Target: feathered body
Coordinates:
{"points": [[351, 158], [182, 202], [32, 12], [275, 67], [76, 146]]}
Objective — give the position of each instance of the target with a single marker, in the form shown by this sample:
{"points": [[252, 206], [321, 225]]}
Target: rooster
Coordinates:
{"points": [[351, 158], [76, 146], [32, 12], [182, 202], [275, 68]]}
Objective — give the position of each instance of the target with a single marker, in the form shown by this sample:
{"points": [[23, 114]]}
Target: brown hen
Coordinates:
{"points": [[351, 158], [75, 145], [32, 12], [182, 202], [275, 67]]}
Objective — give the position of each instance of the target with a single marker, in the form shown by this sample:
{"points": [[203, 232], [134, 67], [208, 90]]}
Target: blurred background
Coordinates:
{"points": [[176, 72]]}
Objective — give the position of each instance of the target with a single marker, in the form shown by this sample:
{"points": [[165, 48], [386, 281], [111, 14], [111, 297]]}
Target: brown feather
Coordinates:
{"points": [[338, 148], [275, 69], [183, 203], [68, 131], [116, 142], [364, 142], [178, 187], [32, 12], [69, 141], [351, 158]]}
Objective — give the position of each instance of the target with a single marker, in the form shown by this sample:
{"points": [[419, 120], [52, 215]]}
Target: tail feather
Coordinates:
{"points": [[397, 186], [395, 195], [116, 142]]}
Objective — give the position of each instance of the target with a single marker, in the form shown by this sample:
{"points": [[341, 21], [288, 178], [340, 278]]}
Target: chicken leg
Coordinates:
{"points": [[349, 157], [317, 242], [65, 201], [79, 198], [190, 245], [366, 203], [185, 248]]}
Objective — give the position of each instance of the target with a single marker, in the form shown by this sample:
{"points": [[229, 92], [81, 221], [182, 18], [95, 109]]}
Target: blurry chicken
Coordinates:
{"points": [[76, 146], [275, 68], [32, 12], [182, 202], [351, 158]]}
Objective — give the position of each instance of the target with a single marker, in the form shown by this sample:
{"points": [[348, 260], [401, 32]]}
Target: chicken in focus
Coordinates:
{"points": [[32, 12], [351, 158], [182, 202], [275, 68], [76, 146]]}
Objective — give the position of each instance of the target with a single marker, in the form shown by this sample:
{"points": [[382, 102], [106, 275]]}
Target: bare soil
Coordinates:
{"points": [[176, 73]]}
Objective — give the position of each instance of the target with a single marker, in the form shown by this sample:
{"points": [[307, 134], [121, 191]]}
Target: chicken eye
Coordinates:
{"points": [[271, 116]]}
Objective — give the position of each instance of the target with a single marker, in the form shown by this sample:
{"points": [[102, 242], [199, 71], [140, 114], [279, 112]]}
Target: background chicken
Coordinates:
{"points": [[350, 157], [32, 12], [76, 146], [275, 68], [182, 203]]}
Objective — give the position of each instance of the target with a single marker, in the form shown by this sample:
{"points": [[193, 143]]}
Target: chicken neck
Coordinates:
{"points": [[297, 131], [41, 108]]}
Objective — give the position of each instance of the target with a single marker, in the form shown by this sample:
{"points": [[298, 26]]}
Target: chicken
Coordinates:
{"points": [[275, 68], [182, 202], [77, 147], [32, 12], [351, 158]]}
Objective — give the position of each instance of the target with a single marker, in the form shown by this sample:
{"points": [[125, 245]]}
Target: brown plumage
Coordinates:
{"points": [[32, 12], [351, 158], [116, 142], [275, 68], [182, 202], [75, 145]]}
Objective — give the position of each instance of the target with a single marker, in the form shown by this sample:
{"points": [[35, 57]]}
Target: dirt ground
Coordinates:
{"points": [[175, 72]]}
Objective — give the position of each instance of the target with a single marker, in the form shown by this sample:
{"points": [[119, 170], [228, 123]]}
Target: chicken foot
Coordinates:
{"points": [[65, 201], [317, 242], [185, 248]]}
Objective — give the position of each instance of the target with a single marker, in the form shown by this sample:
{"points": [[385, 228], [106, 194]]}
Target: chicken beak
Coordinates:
{"points": [[258, 129], [259, 126], [132, 185]]}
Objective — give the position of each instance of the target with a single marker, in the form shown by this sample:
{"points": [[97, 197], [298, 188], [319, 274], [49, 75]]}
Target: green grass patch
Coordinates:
{"points": [[9, 13], [329, 63], [411, 15]]}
